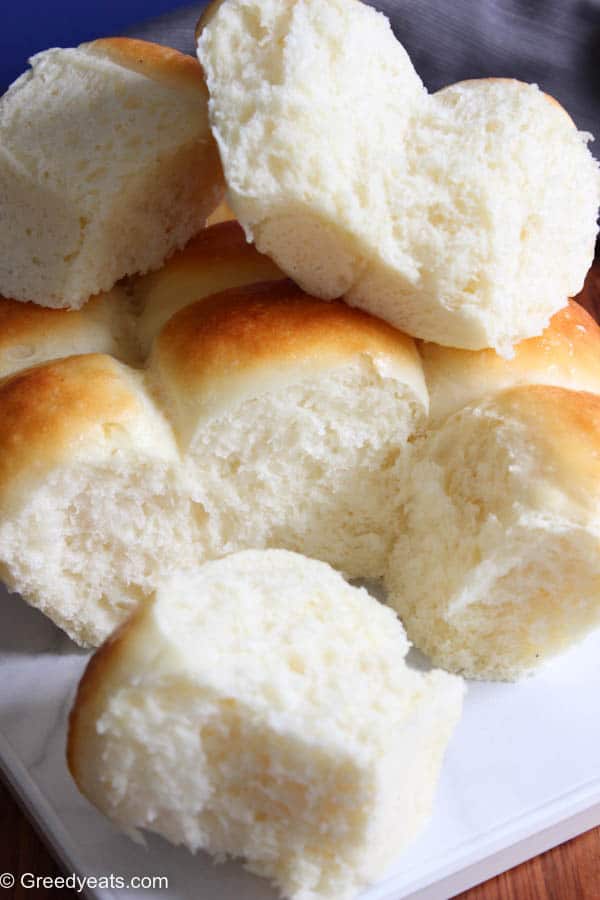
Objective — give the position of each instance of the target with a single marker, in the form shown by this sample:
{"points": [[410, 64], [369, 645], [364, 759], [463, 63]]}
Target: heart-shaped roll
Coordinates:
{"points": [[467, 217]]}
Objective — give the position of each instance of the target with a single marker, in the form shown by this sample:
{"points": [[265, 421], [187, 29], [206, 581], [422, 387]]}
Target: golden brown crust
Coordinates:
{"points": [[273, 323], [31, 334], [152, 60], [578, 410], [218, 258], [567, 354], [27, 321], [46, 410], [572, 335], [223, 242]]}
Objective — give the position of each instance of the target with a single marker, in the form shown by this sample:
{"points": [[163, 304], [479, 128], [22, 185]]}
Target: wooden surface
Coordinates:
{"points": [[568, 872]]}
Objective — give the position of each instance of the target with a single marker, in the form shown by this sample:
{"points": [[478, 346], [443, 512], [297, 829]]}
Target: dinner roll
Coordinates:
{"points": [[567, 354], [498, 567], [294, 416], [107, 165], [90, 511], [465, 218], [264, 417], [261, 707], [32, 334], [219, 257]]}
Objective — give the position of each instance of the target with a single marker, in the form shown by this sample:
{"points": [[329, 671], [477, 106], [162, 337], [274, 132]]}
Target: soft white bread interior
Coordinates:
{"points": [[567, 354], [294, 416], [107, 165], [261, 707], [498, 568], [265, 417], [465, 218], [90, 511], [295, 81]]}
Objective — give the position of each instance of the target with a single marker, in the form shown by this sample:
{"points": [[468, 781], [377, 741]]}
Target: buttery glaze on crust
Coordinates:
{"points": [[222, 242], [153, 61], [271, 331], [270, 327], [243, 343], [271, 324], [47, 410], [32, 334], [218, 258], [21, 322], [567, 354]]}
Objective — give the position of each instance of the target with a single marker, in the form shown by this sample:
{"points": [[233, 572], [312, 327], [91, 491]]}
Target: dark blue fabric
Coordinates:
{"points": [[555, 43], [30, 25]]}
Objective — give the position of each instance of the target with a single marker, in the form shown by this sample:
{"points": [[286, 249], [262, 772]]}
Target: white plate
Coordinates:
{"points": [[522, 774]]}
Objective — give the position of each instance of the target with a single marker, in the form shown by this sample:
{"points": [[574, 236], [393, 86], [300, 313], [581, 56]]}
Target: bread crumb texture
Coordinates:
{"points": [[261, 707], [499, 565], [107, 166], [191, 424], [466, 217], [212, 407]]}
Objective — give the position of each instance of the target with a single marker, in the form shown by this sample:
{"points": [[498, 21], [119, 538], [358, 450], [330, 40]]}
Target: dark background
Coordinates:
{"points": [[555, 43]]}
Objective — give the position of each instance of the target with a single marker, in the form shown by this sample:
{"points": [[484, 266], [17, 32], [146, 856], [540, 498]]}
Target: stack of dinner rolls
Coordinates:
{"points": [[377, 366], [466, 218], [180, 429], [260, 416]]}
